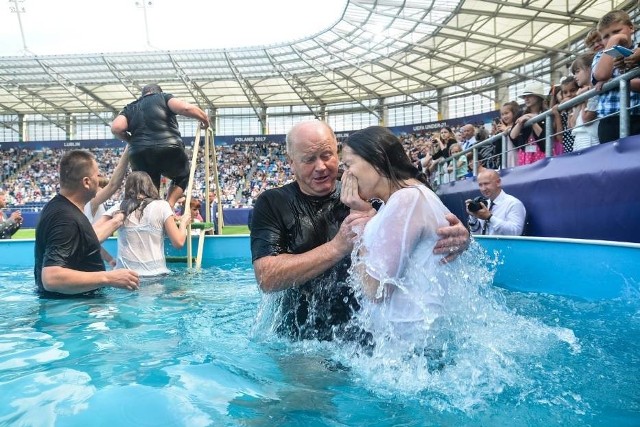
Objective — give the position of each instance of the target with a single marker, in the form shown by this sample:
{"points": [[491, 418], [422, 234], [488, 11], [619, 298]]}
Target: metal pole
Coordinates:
{"points": [[624, 108]]}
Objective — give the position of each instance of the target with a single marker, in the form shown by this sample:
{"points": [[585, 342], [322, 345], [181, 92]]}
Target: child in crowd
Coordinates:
{"points": [[509, 112], [567, 90], [593, 41], [584, 135], [196, 217], [615, 28], [461, 164]]}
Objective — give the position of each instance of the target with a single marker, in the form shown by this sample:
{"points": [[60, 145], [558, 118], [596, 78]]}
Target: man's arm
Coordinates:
{"points": [[119, 128], [283, 271], [67, 281], [454, 239], [185, 109], [9, 227], [106, 226], [109, 190]]}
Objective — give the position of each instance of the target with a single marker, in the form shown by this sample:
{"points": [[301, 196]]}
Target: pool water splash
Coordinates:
{"points": [[185, 351], [475, 350]]}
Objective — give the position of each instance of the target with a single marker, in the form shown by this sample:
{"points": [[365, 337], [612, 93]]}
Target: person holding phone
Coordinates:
{"points": [[444, 143], [626, 62], [616, 29]]}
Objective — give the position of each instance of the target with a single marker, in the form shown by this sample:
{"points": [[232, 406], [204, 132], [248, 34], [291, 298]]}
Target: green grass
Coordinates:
{"points": [[30, 233]]}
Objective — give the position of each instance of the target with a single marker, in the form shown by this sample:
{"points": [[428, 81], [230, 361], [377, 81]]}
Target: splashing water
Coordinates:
{"points": [[471, 350]]}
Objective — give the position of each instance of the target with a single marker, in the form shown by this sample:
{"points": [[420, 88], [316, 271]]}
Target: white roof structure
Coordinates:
{"points": [[376, 49]]}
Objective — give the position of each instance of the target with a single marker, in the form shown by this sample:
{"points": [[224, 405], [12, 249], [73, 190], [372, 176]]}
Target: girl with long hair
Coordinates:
{"points": [[147, 220]]}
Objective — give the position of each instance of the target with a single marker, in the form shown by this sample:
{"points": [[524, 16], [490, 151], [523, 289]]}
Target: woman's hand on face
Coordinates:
{"points": [[349, 193]]}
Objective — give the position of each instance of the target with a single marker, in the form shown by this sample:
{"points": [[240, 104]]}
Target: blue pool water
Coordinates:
{"points": [[191, 351]]}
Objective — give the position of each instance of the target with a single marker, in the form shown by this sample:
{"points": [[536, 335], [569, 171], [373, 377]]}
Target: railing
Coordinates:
{"points": [[621, 83]]}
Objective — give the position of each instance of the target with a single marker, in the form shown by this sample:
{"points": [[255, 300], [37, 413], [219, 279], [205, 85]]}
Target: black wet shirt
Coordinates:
{"points": [[65, 238], [287, 221], [152, 123]]}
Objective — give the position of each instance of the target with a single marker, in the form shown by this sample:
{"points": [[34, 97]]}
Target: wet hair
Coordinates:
{"points": [[379, 147], [583, 62], [139, 191], [614, 17], [592, 37], [151, 88], [74, 166]]}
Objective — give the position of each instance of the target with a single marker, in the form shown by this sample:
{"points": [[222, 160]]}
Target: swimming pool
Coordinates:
{"points": [[188, 351]]}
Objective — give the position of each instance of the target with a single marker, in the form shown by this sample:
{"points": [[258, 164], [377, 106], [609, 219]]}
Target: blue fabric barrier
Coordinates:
{"points": [[589, 194], [237, 216]]}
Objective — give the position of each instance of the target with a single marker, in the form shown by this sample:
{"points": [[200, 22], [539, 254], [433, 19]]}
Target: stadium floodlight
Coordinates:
{"points": [[17, 7], [143, 5]]}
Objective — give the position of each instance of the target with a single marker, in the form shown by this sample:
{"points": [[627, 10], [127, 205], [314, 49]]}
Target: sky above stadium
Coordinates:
{"points": [[56, 27]]}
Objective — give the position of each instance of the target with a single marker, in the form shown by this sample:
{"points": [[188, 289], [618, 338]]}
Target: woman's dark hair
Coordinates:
{"points": [[385, 153], [139, 191]]}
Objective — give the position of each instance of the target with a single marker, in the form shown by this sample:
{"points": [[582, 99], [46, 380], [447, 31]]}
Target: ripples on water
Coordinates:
{"points": [[187, 351]]}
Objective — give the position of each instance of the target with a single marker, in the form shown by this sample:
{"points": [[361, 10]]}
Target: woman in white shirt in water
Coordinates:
{"points": [[402, 281], [147, 219]]}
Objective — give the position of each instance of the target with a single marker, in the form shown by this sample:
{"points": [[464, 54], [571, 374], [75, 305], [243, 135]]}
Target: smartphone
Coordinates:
{"points": [[618, 51]]}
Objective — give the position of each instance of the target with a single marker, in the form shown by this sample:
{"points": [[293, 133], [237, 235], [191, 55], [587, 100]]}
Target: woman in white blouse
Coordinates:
{"points": [[402, 282], [147, 219]]}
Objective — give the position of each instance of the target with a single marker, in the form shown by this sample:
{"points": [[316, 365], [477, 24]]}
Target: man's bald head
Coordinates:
{"points": [[490, 183]]}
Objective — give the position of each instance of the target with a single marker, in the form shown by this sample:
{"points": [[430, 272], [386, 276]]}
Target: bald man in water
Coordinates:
{"points": [[302, 236]]}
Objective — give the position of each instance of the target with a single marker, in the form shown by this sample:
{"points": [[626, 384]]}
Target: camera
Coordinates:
{"points": [[474, 205]]}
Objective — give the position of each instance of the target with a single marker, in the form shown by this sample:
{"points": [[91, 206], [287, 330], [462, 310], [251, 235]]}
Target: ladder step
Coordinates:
{"points": [[201, 225], [176, 259]]}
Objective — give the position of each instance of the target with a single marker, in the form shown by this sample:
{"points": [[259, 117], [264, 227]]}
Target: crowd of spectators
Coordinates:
{"points": [[246, 170]]}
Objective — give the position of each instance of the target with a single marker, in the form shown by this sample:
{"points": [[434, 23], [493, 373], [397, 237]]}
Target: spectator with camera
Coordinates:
{"points": [[495, 212]]}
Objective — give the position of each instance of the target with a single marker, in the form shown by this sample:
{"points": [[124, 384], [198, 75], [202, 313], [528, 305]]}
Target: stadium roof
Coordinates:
{"points": [[376, 49]]}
